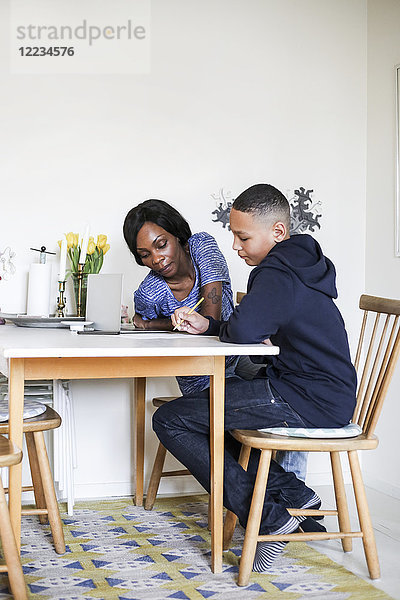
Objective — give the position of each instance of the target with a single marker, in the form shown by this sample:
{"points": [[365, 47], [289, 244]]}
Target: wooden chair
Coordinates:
{"points": [[157, 471], [10, 455], [379, 342], [42, 479]]}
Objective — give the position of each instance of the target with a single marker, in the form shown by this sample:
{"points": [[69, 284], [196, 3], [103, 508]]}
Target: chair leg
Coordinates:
{"points": [[35, 475], [371, 553], [49, 493], [341, 500], [11, 554], [254, 519], [155, 477], [230, 517]]}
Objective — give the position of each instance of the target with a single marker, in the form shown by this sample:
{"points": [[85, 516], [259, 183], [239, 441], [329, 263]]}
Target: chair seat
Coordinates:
{"points": [[10, 454], [32, 408], [50, 419], [270, 441], [348, 431]]}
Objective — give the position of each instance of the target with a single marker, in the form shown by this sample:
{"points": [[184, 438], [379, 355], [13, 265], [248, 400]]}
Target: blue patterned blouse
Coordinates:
{"points": [[154, 298]]}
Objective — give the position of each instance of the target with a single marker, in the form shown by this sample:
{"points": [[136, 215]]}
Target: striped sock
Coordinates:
{"points": [[313, 502], [266, 552]]}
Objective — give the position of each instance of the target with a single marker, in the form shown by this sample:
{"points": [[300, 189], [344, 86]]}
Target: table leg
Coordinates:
{"points": [[16, 408], [140, 416], [217, 391]]}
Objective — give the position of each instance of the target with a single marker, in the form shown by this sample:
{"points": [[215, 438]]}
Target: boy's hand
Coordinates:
{"points": [[193, 323]]}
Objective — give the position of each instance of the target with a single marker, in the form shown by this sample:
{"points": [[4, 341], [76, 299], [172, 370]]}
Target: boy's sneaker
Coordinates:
{"points": [[310, 524]]}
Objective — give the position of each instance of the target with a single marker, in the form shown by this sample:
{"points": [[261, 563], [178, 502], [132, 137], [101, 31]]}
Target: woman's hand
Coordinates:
{"points": [[139, 322], [193, 323]]}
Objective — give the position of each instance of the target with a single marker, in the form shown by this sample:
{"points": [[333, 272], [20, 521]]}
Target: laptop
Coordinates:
{"points": [[103, 307], [103, 303]]}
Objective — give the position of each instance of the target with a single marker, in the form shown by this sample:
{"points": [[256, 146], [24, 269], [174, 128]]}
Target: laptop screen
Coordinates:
{"points": [[103, 304]]}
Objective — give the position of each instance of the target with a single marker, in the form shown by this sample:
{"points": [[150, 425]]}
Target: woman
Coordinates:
{"points": [[183, 269]]}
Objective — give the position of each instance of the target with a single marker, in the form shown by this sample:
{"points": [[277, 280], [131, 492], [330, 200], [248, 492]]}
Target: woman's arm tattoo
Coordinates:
{"points": [[213, 296]]}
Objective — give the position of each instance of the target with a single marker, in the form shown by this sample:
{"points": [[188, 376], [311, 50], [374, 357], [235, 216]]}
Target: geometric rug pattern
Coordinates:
{"points": [[116, 550]]}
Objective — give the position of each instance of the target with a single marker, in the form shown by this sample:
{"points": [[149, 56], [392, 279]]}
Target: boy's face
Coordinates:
{"points": [[254, 238]]}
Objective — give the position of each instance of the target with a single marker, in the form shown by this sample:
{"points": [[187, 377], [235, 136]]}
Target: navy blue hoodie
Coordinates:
{"points": [[290, 300]]}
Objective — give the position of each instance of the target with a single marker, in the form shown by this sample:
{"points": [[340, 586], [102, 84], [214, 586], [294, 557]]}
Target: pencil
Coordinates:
{"points": [[190, 311]]}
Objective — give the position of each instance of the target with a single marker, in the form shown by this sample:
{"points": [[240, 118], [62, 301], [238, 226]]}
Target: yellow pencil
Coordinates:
{"points": [[190, 311]]}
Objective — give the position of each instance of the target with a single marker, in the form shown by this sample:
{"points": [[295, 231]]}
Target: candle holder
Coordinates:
{"points": [[61, 301], [79, 277]]}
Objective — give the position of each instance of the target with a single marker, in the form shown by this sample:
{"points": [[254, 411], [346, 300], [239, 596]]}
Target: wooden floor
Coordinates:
{"points": [[385, 513]]}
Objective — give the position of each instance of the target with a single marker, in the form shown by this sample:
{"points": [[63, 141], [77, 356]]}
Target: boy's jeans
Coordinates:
{"points": [[182, 426], [294, 462]]}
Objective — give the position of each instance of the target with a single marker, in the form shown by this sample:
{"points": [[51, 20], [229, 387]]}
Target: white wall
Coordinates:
{"points": [[382, 267], [239, 92]]}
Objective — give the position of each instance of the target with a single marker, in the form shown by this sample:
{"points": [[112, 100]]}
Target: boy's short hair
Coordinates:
{"points": [[154, 211], [264, 201]]}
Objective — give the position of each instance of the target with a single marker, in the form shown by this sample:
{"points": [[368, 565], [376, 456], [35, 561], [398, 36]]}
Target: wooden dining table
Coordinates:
{"points": [[43, 353]]}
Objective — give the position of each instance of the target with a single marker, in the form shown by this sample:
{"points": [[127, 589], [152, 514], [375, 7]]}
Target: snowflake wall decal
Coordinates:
{"points": [[224, 203], [303, 213]]}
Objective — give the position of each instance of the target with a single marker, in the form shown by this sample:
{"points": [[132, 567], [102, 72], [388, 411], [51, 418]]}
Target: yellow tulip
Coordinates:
{"points": [[91, 239], [75, 239], [106, 248], [59, 243], [101, 240], [70, 239], [91, 247]]}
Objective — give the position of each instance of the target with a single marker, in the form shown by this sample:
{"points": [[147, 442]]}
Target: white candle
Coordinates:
{"points": [[82, 257], [63, 260]]}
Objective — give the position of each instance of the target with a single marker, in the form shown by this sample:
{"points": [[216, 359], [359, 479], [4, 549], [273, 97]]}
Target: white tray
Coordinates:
{"points": [[51, 321]]}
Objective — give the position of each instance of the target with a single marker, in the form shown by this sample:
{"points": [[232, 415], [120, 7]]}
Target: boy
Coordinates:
{"points": [[311, 383]]}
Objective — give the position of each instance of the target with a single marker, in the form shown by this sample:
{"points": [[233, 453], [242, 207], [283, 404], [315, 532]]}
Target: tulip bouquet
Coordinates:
{"points": [[95, 252]]}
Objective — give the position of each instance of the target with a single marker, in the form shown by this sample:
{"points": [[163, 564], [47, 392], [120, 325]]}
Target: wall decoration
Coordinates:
{"points": [[303, 213], [224, 203], [7, 266]]}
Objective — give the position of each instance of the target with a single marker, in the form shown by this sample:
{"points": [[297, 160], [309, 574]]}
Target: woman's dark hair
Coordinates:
{"points": [[154, 211]]}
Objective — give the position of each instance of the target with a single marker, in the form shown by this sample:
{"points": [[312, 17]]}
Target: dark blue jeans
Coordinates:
{"points": [[183, 427]]}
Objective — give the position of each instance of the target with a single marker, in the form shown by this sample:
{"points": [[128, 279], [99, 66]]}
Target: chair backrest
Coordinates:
{"points": [[376, 357]]}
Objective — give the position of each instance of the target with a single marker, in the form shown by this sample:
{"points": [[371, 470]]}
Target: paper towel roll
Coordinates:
{"points": [[39, 290]]}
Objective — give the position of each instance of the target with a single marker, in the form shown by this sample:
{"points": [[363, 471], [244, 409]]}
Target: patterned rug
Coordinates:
{"points": [[118, 551]]}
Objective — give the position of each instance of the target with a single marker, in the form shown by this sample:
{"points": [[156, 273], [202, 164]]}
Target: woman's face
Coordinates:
{"points": [[159, 250]]}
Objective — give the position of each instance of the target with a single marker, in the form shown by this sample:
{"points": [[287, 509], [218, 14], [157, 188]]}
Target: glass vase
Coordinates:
{"points": [[75, 283]]}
